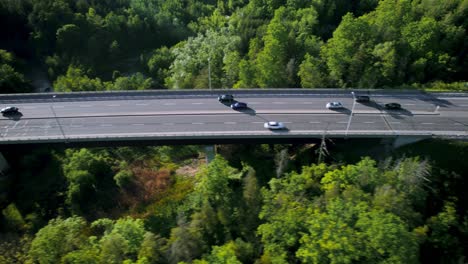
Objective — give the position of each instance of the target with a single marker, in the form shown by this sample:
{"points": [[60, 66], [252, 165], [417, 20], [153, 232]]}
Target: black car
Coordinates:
{"points": [[362, 99], [9, 109], [226, 98], [393, 106], [239, 105]]}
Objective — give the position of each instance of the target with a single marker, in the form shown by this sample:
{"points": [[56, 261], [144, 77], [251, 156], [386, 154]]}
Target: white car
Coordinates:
{"points": [[334, 105], [274, 125]]}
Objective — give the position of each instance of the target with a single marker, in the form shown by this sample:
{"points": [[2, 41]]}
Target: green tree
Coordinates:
{"points": [[86, 172], [69, 39], [58, 238], [346, 54], [11, 81], [285, 212], [153, 248], [193, 57], [272, 60], [76, 81], [443, 229], [312, 73], [134, 82], [158, 65]]}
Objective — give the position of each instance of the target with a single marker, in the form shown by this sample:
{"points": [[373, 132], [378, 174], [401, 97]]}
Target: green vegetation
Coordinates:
{"points": [[253, 203], [166, 205], [144, 44]]}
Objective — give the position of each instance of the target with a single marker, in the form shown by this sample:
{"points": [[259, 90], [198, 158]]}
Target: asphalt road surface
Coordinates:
{"points": [[303, 114]]}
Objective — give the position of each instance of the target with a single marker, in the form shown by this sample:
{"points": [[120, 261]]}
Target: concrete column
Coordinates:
{"points": [[3, 164], [4, 178], [405, 140], [210, 152]]}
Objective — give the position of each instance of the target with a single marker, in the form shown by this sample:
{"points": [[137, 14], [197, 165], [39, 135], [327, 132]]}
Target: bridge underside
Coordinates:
{"points": [[277, 138]]}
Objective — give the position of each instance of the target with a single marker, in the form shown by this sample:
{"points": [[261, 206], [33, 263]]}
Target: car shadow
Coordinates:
{"points": [[228, 103], [14, 116], [342, 110], [397, 113], [284, 130], [247, 110]]}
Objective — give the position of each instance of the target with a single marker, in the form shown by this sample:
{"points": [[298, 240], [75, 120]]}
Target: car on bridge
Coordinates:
{"points": [[335, 105], [362, 99], [226, 98], [239, 105], [9, 110], [393, 106], [273, 125]]}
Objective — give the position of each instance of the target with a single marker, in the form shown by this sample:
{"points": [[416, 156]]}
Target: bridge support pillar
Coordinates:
{"points": [[3, 164], [4, 178], [210, 152], [405, 140]]}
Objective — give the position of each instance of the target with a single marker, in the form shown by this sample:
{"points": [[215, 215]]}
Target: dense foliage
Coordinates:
{"points": [[252, 203], [165, 205], [143, 44]]}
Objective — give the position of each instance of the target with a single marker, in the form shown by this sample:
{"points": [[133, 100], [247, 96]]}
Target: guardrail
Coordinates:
{"points": [[145, 94]]}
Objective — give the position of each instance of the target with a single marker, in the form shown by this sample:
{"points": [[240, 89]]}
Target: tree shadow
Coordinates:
{"points": [[436, 101], [371, 103], [13, 116]]}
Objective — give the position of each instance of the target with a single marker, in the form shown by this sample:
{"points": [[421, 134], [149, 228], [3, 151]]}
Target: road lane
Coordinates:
{"points": [[300, 113]]}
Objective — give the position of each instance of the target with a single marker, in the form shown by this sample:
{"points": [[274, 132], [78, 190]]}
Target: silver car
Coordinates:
{"points": [[274, 125], [334, 105]]}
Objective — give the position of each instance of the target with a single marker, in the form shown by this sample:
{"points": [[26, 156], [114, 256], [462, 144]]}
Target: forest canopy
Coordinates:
{"points": [[147, 44], [254, 204], [257, 204]]}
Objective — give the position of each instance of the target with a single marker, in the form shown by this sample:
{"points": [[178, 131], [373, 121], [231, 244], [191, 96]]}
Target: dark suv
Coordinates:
{"points": [[239, 105], [362, 99], [226, 98], [9, 110]]}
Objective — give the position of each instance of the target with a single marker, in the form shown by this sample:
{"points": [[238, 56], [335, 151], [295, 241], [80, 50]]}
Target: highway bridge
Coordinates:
{"points": [[196, 116]]}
